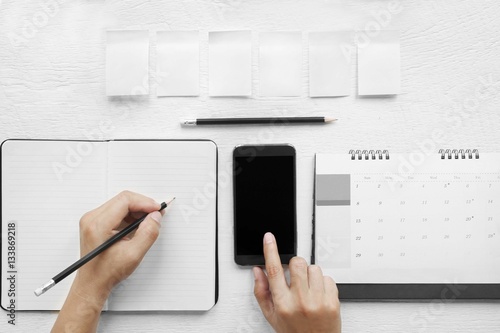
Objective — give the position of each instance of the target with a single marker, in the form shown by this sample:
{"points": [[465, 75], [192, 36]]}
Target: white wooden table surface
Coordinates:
{"points": [[52, 86]]}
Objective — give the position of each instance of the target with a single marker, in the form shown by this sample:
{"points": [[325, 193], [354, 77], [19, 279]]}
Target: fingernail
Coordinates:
{"points": [[268, 238], [156, 216], [254, 270]]}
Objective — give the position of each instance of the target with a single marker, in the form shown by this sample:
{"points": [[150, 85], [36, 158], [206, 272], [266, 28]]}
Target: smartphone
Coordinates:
{"points": [[264, 200]]}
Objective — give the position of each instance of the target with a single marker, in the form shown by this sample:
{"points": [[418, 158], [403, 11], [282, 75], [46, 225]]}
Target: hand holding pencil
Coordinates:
{"points": [[122, 258], [96, 278]]}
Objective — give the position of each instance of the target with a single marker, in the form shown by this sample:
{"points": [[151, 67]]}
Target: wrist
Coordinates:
{"points": [[90, 291]]}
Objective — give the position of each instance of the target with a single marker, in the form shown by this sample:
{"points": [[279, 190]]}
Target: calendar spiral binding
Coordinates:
{"points": [[459, 154], [369, 154]]}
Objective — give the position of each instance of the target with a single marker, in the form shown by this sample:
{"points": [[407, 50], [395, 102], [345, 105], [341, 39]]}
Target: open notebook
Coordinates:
{"points": [[409, 225], [48, 185]]}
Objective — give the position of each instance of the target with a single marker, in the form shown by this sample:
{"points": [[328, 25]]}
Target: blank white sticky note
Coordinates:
{"points": [[280, 63], [178, 63], [330, 63], [230, 63], [379, 64], [127, 63]]}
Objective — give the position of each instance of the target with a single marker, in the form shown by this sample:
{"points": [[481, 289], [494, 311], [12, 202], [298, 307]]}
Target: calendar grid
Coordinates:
{"points": [[440, 222]]}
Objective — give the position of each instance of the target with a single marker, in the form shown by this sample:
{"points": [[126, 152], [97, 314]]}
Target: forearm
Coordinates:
{"points": [[81, 310]]}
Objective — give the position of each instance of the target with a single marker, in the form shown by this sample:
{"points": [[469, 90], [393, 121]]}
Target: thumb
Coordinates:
{"points": [[262, 292], [147, 233]]}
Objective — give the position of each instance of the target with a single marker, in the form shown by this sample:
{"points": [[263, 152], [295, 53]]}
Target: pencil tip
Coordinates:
{"points": [[329, 120]]}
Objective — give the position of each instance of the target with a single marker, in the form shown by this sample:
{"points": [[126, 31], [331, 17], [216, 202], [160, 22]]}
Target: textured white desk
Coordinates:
{"points": [[52, 86]]}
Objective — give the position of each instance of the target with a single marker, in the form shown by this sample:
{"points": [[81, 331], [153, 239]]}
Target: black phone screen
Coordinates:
{"points": [[264, 200]]}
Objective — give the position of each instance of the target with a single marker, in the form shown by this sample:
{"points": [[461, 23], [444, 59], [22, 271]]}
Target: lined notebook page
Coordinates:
{"points": [[178, 272], [46, 187]]}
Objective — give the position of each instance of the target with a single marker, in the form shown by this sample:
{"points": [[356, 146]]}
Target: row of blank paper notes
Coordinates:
{"points": [[280, 64], [379, 61], [127, 63], [230, 63], [330, 63], [178, 63]]}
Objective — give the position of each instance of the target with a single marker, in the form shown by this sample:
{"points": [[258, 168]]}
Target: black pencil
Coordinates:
{"points": [[257, 121], [89, 256]]}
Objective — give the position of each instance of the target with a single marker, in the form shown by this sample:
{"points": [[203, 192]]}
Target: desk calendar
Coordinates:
{"points": [[409, 225]]}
